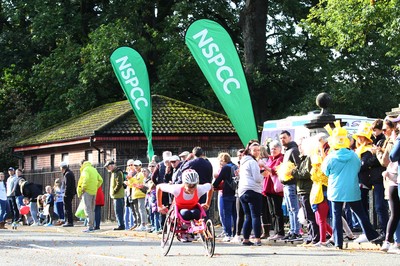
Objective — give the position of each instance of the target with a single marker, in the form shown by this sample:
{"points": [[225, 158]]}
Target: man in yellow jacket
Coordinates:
{"points": [[89, 181]]}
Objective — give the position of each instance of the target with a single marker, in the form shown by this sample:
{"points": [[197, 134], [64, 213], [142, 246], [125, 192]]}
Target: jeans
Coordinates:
{"points": [[221, 210], [229, 214], [12, 203], [292, 203], [381, 205], [97, 216], [19, 201], [361, 215], [3, 210], [251, 202], [34, 212], [119, 212], [60, 209], [193, 214], [129, 220]]}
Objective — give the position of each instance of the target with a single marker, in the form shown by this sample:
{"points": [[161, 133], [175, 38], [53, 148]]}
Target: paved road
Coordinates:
{"points": [[68, 246]]}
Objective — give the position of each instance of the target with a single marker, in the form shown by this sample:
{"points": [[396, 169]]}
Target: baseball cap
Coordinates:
{"points": [[108, 162], [63, 164], [137, 162], [185, 153], [11, 169], [174, 158]]}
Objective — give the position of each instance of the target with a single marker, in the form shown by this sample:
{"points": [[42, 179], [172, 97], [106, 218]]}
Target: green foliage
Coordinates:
{"points": [[55, 56]]}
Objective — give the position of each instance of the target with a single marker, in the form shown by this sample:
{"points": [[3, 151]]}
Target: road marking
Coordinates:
{"points": [[41, 247], [115, 258]]}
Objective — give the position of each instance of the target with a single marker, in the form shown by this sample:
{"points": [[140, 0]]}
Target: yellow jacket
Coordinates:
{"points": [[133, 182], [89, 181]]}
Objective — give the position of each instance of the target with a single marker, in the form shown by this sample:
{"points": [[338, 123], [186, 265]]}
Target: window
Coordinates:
{"points": [[89, 156], [52, 163], [65, 157], [34, 163]]}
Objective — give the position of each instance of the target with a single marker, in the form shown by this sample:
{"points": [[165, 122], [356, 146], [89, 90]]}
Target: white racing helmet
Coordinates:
{"points": [[190, 177]]}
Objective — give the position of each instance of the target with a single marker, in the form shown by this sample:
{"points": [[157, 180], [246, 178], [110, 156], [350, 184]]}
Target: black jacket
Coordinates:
{"points": [[69, 183], [371, 170], [31, 190], [291, 154]]}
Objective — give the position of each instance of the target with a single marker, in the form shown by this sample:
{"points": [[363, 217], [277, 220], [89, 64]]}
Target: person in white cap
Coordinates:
{"points": [[69, 185]]}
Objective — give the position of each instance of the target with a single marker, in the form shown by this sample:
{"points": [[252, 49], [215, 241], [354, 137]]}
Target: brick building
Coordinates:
{"points": [[112, 131]]}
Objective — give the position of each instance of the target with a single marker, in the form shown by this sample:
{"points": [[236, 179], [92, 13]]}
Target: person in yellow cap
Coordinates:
{"points": [[370, 175], [342, 166]]}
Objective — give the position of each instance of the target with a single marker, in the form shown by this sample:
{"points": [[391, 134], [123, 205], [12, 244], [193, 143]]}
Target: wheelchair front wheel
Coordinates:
{"points": [[208, 238], [168, 232]]}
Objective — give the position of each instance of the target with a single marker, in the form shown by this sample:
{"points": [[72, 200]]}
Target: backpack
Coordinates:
{"points": [[233, 181]]}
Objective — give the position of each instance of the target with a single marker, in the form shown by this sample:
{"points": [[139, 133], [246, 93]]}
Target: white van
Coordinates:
{"points": [[295, 125]]}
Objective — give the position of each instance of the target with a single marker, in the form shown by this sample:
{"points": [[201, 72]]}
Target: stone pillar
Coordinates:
{"points": [[317, 125]]}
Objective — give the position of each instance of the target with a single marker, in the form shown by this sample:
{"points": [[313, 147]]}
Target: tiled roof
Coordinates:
{"points": [[170, 117]]}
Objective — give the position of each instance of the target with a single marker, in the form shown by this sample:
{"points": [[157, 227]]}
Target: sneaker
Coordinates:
{"points": [[326, 244], [379, 240], [184, 238], [385, 246], [119, 228], [248, 243], [257, 243], [190, 237], [394, 249], [67, 225], [89, 230], [276, 237], [222, 234], [296, 237], [49, 224], [141, 228], [226, 239], [361, 239], [287, 237], [236, 239], [34, 224]]}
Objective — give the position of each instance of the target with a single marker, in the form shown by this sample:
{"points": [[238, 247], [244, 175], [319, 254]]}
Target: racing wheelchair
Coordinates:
{"points": [[175, 225]]}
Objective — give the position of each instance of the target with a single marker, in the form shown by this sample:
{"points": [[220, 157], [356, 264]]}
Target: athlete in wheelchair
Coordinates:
{"points": [[187, 217]]}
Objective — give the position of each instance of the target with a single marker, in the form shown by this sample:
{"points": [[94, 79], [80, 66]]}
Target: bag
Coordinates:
{"points": [[80, 211], [144, 189], [278, 186], [232, 181]]}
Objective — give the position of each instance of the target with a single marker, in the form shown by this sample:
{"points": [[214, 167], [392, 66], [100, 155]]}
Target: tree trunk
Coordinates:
{"points": [[253, 21]]}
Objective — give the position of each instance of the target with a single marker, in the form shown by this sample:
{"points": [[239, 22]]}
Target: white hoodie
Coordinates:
{"points": [[250, 177]]}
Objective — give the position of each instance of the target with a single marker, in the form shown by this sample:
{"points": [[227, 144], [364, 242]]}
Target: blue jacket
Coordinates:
{"points": [[395, 152], [342, 167]]}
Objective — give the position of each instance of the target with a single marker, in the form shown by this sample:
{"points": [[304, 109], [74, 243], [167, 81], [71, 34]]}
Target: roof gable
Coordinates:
{"points": [[170, 116]]}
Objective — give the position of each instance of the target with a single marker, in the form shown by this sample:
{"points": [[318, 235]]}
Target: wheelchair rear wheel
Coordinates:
{"points": [[208, 238], [168, 231]]}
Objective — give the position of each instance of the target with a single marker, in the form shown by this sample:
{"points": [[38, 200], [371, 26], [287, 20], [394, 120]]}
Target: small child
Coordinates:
{"points": [[154, 214], [25, 211], [59, 201], [48, 202]]}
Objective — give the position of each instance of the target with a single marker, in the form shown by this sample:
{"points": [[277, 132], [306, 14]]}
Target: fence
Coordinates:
{"points": [[46, 177]]}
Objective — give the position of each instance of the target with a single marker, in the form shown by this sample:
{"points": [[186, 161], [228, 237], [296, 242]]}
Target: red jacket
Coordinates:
{"points": [[100, 197], [268, 186]]}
